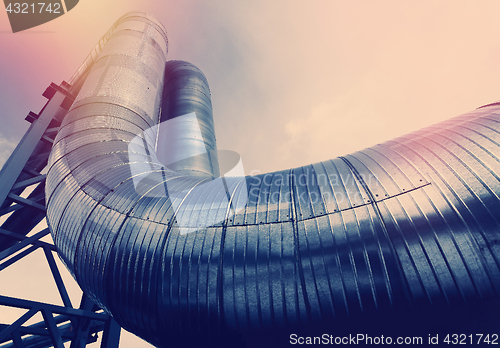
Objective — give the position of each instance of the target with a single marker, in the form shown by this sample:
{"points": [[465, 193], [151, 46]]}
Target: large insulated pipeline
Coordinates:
{"points": [[400, 235]]}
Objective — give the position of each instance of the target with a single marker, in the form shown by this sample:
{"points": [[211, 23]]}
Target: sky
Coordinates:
{"points": [[292, 82]]}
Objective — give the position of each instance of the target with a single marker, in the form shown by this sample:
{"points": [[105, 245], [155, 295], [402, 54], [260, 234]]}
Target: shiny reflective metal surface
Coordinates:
{"points": [[401, 234], [186, 91]]}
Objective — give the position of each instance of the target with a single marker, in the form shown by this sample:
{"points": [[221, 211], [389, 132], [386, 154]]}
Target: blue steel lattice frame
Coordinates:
{"points": [[21, 214]]}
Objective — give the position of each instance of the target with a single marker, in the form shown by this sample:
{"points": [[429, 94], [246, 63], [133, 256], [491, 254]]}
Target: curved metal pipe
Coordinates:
{"points": [[358, 242]]}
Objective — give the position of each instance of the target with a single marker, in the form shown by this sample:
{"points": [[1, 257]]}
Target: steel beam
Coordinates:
{"points": [[16, 162]]}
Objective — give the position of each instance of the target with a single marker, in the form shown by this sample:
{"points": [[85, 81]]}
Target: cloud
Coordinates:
{"points": [[336, 127]]}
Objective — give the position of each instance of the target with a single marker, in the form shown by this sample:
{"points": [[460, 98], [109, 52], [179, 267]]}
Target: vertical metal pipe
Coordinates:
{"points": [[187, 139]]}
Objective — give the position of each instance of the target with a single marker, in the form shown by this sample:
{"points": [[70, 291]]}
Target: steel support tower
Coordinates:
{"points": [[22, 208]]}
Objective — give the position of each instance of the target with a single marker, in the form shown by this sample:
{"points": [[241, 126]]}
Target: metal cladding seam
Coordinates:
{"points": [[410, 222]]}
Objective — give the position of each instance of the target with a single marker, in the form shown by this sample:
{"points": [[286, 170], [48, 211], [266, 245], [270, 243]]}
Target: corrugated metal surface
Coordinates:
{"points": [[410, 223]]}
